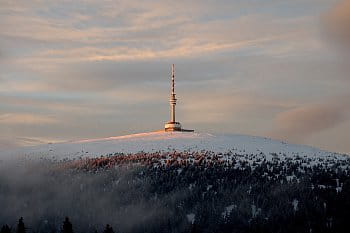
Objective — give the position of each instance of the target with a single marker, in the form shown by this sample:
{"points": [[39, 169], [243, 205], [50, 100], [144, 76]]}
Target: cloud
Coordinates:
{"points": [[12, 143], [53, 61], [337, 22], [26, 119], [6, 144], [299, 123], [116, 32]]}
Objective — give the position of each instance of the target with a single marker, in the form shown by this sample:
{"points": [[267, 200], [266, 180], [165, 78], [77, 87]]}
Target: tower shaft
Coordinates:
{"points": [[172, 113]]}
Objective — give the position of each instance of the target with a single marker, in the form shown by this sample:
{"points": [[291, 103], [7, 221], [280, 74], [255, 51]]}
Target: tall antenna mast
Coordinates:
{"points": [[173, 95], [172, 125], [173, 79]]}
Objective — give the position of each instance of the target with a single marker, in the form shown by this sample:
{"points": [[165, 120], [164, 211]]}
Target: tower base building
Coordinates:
{"points": [[173, 126]]}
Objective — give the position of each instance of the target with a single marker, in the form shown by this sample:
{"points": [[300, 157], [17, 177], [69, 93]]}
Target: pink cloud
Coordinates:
{"points": [[338, 23], [298, 124]]}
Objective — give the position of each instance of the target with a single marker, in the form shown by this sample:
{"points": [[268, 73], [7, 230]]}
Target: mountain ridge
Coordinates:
{"points": [[169, 141]]}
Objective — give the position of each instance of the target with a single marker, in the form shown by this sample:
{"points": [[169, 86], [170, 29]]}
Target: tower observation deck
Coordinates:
{"points": [[173, 125]]}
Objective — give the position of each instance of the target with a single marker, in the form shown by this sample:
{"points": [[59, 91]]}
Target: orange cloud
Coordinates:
{"points": [[338, 23], [26, 119]]}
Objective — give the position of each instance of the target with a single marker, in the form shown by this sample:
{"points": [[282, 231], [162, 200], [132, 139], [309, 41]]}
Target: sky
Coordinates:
{"points": [[87, 69]]}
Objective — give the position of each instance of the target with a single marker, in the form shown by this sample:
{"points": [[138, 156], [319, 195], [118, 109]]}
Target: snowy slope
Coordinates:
{"points": [[168, 141]]}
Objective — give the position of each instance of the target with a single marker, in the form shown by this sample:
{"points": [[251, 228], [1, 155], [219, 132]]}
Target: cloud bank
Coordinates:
{"points": [[299, 123]]}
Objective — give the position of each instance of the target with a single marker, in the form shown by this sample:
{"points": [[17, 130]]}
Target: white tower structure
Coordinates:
{"points": [[172, 125]]}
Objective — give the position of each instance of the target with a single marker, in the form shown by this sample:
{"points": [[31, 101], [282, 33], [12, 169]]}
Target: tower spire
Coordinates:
{"points": [[173, 79]]}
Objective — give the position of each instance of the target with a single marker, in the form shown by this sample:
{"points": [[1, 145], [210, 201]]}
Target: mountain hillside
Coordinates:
{"points": [[170, 141]]}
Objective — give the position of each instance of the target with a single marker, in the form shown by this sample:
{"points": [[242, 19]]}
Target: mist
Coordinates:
{"points": [[43, 194], [140, 193]]}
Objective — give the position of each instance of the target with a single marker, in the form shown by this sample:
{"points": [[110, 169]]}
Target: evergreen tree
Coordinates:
{"points": [[5, 229], [108, 229], [194, 228], [67, 226], [20, 226]]}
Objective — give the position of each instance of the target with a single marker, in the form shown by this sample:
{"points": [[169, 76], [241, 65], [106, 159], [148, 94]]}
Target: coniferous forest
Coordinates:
{"points": [[176, 192]]}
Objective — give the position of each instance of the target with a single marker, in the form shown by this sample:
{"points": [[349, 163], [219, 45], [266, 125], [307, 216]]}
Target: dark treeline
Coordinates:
{"points": [[180, 192], [67, 227]]}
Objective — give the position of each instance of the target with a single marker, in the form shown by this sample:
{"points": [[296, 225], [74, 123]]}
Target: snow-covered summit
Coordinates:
{"points": [[169, 141]]}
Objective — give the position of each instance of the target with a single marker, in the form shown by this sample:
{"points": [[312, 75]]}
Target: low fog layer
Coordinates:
{"points": [[44, 194], [178, 191]]}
